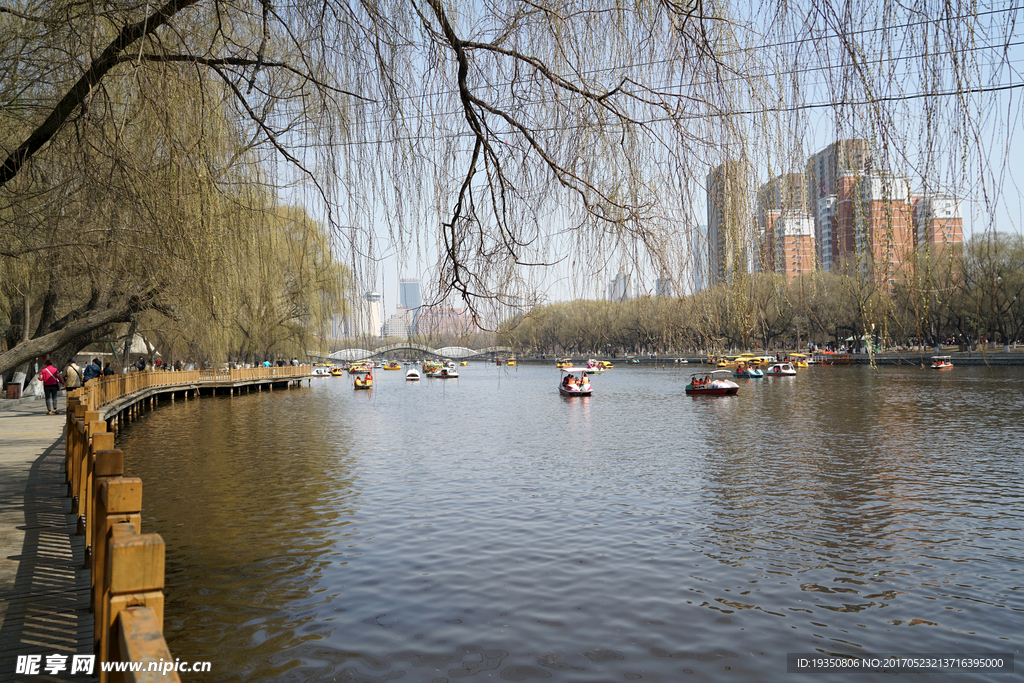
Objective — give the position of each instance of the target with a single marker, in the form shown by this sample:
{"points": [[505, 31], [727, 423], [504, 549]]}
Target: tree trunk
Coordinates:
{"points": [[61, 338]]}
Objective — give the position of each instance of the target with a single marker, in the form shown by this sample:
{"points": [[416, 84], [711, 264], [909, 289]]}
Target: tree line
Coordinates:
{"points": [[959, 294]]}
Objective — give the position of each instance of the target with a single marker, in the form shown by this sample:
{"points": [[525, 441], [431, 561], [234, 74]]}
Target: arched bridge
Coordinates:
{"points": [[443, 352]]}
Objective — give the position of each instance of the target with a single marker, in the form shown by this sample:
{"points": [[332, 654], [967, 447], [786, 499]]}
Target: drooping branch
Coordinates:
{"points": [[70, 103]]}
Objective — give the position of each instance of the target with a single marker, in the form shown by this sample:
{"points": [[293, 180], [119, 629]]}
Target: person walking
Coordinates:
{"points": [[92, 370], [73, 375], [52, 381]]}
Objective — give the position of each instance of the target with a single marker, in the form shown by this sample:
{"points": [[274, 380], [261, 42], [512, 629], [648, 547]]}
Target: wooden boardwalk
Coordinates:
{"points": [[44, 591]]}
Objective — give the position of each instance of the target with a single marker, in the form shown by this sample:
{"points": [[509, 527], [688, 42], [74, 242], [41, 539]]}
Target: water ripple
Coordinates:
{"points": [[486, 527]]}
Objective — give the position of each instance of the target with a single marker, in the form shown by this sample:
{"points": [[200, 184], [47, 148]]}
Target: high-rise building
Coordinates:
{"points": [[445, 320], [399, 324], [938, 220], [409, 299], [729, 221], [824, 180], [367, 316], [782, 197], [409, 293], [663, 286], [826, 221], [876, 233], [793, 243], [622, 287]]}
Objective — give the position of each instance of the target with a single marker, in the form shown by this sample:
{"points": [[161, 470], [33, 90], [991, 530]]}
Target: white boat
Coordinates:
{"points": [[942, 362], [712, 383], [594, 367], [449, 371], [572, 385], [413, 375], [320, 371], [780, 370]]}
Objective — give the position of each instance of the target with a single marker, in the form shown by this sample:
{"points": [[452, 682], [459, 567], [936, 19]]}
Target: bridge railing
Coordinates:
{"points": [[127, 566]]}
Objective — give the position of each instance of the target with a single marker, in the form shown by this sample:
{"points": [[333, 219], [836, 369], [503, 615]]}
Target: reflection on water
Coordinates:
{"points": [[487, 527]]}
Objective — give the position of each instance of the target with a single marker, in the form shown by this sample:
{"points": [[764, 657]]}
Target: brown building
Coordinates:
{"points": [[794, 245], [875, 228], [785, 230], [938, 220]]}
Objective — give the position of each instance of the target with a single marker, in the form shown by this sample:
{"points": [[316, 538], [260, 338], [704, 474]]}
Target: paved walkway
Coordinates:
{"points": [[44, 592]]}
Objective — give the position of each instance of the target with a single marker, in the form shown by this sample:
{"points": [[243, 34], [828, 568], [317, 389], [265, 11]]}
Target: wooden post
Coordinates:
{"points": [[140, 639], [69, 424], [82, 460], [108, 463], [74, 442], [134, 577], [119, 499], [85, 428], [101, 440]]}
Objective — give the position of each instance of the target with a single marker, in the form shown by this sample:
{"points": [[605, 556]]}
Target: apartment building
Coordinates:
{"points": [[729, 221]]}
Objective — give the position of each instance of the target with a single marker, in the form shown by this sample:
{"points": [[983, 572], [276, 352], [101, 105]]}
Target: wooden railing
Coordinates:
{"points": [[127, 566], [103, 391]]}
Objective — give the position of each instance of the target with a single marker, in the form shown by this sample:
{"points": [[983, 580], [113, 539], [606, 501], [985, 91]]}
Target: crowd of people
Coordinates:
{"points": [[75, 376]]}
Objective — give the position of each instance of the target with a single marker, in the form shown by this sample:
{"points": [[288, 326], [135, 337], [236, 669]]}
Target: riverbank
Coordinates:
{"points": [[987, 357]]}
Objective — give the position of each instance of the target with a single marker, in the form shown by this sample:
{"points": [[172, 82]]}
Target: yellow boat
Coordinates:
{"points": [[337, 372], [564, 363], [799, 360], [607, 364], [511, 361], [392, 365], [464, 363]]}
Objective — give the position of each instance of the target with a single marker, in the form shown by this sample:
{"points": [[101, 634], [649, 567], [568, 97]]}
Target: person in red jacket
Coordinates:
{"points": [[52, 382]]}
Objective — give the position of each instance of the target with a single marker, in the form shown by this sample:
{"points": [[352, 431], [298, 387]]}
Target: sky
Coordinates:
{"points": [[985, 165]]}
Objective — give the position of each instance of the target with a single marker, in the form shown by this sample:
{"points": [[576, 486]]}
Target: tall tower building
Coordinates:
{"points": [[369, 316], [782, 248], [622, 288], [729, 221], [825, 181], [409, 299], [409, 293]]}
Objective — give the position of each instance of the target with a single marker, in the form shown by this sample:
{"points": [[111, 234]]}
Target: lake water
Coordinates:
{"points": [[488, 528]]}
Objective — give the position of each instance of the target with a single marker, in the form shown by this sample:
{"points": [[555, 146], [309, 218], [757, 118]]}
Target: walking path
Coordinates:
{"points": [[44, 592]]}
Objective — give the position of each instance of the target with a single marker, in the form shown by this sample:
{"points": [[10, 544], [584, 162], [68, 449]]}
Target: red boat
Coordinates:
{"points": [[712, 384]]}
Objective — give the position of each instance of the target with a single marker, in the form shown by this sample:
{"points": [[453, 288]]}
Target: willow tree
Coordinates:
{"points": [[490, 139]]}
